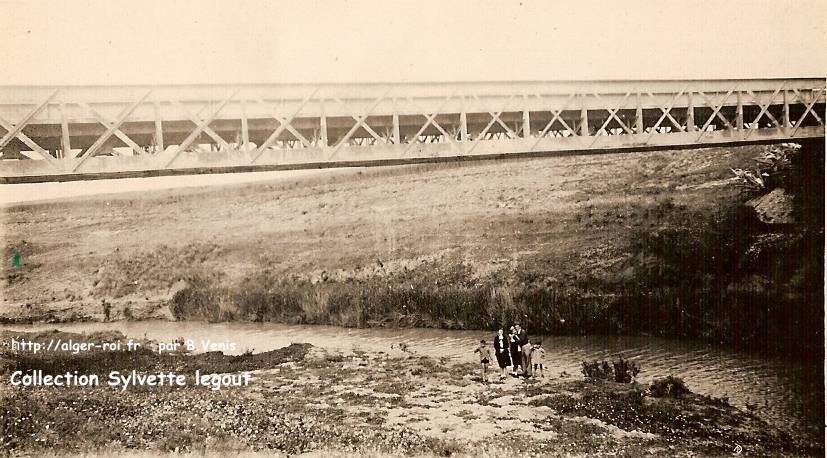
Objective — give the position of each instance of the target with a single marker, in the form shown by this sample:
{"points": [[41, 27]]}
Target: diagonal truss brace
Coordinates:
{"points": [[667, 111], [110, 131], [200, 123], [283, 124], [284, 121], [764, 109], [809, 110], [716, 112], [360, 121], [555, 116], [612, 115], [109, 123], [202, 127], [430, 119], [16, 130], [494, 118]]}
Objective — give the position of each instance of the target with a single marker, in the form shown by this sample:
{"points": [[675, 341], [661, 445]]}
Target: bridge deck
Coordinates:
{"points": [[75, 132]]}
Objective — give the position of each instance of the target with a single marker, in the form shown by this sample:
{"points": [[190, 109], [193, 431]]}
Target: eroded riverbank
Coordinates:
{"points": [[658, 243]]}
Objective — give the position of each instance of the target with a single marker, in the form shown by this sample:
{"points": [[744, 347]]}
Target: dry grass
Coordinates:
{"points": [[456, 246]]}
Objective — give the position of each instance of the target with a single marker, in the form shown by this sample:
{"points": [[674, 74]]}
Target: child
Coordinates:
{"points": [[537, 353], [485, 358]]}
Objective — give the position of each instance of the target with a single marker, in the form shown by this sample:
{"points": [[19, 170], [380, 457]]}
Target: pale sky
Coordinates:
{"points": [[133, 42]]}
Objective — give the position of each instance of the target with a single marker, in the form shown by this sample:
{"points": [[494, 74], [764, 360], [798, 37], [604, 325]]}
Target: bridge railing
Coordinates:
{"points": [[81, 130]]}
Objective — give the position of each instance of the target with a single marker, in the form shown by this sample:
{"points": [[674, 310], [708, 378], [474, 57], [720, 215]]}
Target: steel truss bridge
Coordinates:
{"points": [[87, 132]]}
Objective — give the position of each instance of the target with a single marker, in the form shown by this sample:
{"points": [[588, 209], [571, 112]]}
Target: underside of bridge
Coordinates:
{"points": [[86, 132]]}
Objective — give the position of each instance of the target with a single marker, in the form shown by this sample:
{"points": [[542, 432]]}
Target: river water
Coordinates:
{"points": [[787, 393]]}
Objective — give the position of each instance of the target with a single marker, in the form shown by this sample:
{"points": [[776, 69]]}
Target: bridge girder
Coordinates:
{"points": [[54, 132]]}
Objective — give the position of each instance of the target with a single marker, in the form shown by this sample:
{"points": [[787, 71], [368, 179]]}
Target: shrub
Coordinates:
{"points": [[597, 370], [195, 302], [672, 387], [625, 371], [619, 371]]}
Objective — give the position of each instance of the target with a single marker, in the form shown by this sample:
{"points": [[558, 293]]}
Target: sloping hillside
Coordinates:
{"points": [[601, 242]]}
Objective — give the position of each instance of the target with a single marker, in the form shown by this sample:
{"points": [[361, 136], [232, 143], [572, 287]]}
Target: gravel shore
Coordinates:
{"points": [[305, 399]]}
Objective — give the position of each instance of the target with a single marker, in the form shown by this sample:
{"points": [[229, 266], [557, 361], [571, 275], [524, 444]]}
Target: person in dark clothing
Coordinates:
{"points": [[501, 349], [515, 351], [525, 349]]}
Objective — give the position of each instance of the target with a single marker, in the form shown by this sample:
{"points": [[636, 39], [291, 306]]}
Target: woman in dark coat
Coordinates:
{"points": [[503, 352], [516, 351]]}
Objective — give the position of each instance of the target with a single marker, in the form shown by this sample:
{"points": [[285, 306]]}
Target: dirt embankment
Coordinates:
{"points": [[306, 399], [654, 242]]}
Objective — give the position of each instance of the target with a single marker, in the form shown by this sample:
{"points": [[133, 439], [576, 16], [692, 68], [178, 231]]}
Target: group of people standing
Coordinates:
{"points": [[513, 350]]}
